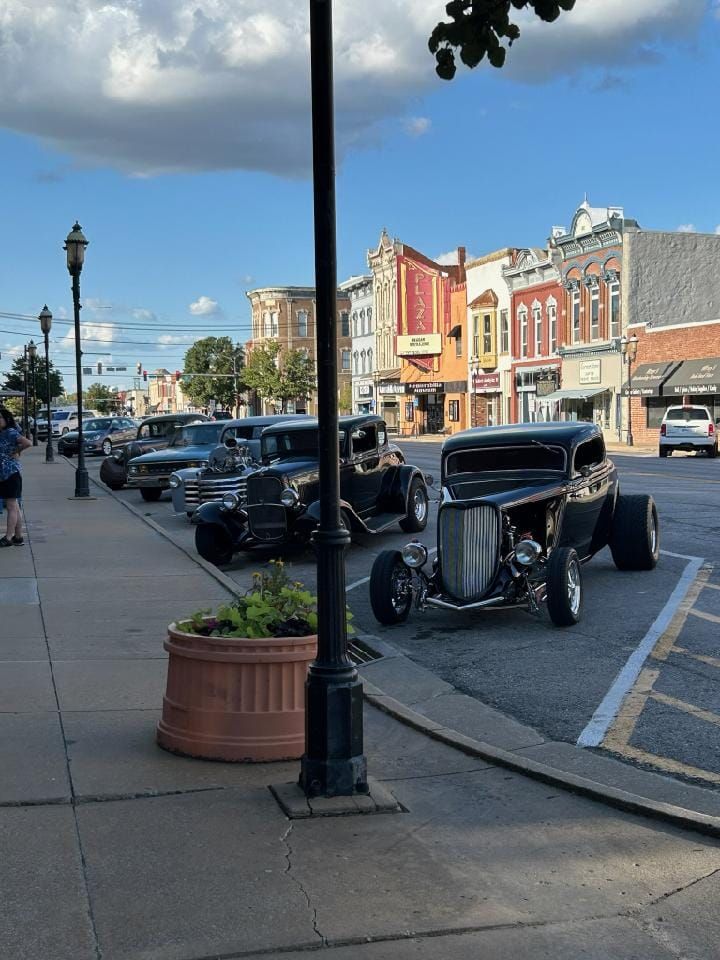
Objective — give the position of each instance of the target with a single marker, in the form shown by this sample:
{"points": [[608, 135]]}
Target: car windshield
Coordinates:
{"points": [[686, 414], [61, 415], [198, 435], [538, 458], [294, 443], [102, 424]]}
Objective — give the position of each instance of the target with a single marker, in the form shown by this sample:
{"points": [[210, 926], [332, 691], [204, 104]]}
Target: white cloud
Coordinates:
{"points": [[687, 228], [449, 259], [717, 229], [151, 87], [417, 126], [203, 307], [169, 340], [143, 314], [93, 332]]}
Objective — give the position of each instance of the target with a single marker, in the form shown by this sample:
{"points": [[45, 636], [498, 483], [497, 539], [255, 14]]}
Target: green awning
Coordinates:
{"points": [[581, 393]]}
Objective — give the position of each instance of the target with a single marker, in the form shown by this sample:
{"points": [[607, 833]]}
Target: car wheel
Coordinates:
{"points": [[213, 543], [390, 588], [150, 494], [564, 587], [635, 537], [64, 431], [713, 452], [107, 447], [417, 509], [663, 451]]}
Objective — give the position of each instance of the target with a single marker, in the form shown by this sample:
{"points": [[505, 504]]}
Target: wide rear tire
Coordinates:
{"points": [[662, 451], [635, 536], [213, 543], [564, 586], [390, 593], [418, 508], [713, 452]]}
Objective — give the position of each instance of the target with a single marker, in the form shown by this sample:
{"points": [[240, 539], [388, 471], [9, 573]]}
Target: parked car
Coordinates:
{"points": [[689, 427], [63, 420], [280, 501], [523, 507], [190, 446], [101, 435], [155, 433], [225, 473]]}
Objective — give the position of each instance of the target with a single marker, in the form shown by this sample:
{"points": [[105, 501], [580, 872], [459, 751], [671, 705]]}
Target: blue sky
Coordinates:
{"points": [[195, 189]]}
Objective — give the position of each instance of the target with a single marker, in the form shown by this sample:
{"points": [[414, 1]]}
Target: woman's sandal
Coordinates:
{"points": [[4, 542], [18, 541]]}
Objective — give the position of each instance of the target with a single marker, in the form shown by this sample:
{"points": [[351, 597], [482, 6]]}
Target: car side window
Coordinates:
{"points": [[144, 431], [590, 454], [381, 434], [116, 425], [364, 440]]}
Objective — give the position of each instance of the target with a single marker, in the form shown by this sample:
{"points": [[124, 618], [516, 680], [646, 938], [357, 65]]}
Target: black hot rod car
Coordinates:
{"points": [[278, 502], [523, 507]]}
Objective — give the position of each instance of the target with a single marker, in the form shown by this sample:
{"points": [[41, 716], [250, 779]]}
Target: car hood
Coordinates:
{"points": [[72, 435], [175, 453], [507, 491], [291, 467]]}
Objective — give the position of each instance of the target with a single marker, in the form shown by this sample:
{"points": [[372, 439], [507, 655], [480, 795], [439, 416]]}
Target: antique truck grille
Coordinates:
{"points": [[211, 489], [469, 538], [266, 514]]}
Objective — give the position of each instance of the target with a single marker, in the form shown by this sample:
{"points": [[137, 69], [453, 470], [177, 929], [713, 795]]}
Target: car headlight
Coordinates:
{"points": [[197, 463], [230, 501], [132, 469], [174, 481], [527, 552], [289, 497], [414, 554]]}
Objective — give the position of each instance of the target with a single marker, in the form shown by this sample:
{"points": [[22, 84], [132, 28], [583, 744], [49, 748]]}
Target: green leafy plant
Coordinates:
{"points": [[275, 606]]}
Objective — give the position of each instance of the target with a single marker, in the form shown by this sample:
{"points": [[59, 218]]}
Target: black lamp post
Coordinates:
{"points": [[32, 353], [45, 318], [75, 246], [333, 763], [629, 346], [26, 405]]}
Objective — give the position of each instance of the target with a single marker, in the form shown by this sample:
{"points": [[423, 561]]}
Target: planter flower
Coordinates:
{"points": [[236, 679]]}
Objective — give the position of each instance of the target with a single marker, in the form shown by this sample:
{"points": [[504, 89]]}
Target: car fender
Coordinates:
{"points": [[395, 488], [310, 518]]}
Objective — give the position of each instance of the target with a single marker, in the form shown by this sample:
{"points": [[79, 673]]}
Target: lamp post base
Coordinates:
{"points": [[82, 484], [49, 453], [630, 440]]}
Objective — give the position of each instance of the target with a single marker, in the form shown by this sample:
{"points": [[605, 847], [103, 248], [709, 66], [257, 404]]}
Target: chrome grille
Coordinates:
{"points": [[215, 488], [191, 489], [267, 521], [469, 539], [263, 490]]}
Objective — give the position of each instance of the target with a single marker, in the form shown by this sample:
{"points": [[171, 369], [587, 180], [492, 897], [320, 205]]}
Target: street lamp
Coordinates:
{"points": [[628, 346], [333, 763], [45, 318], [75, 244], [32, 353], [26, 405]]}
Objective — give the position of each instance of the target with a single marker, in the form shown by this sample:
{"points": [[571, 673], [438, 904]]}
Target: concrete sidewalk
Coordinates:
{"points": [[111, 848]]}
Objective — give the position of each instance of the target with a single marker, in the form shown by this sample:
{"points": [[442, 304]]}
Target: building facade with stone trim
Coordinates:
{"points": [[288, 315], [362, 330]]}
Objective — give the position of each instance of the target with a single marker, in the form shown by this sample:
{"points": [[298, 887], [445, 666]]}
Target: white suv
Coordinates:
{"points": [[688, 428], [65, 420]]}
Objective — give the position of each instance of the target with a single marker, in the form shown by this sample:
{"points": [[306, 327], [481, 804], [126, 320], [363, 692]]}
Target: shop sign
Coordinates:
{"points": [[364, 390], [391, 386], [425, 387], [419, 345], [589, 372], [486, 382], [546, 385]]}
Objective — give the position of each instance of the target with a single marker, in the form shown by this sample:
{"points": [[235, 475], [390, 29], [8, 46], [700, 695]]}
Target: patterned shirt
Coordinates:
{"points": [[8, 446]]}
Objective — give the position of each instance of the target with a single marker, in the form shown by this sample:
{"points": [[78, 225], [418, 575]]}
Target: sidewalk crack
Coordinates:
{"points": [[289, 873]]}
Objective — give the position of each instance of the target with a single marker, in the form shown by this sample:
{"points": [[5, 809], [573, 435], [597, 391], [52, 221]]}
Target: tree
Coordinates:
{"points": [[477, 28], [214, 355], [345, 398], [14, 380], [99, 397], [262, 371], [297, 376]]}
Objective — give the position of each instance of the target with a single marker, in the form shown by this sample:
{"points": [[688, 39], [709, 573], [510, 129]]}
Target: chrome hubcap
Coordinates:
{"points": [[653, 536], [401, 588], [420, 505], [573, 587]]}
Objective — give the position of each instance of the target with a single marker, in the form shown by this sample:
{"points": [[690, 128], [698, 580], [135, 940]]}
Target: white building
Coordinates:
{"points": [[362, 330]]}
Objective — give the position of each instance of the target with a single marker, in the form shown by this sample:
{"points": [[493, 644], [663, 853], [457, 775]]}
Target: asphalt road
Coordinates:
{"points": [[556, 679]]}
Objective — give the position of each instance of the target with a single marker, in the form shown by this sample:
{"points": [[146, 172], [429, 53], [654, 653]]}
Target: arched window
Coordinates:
{"points": [[267, 325], [356, 365], [363, 356], [354, 323], [370, 360], [537, 327], [369, 319], [551, 310], [523, 325]]}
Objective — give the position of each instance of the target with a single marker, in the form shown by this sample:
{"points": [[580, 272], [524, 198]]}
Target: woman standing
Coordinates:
{"points": [[12, 443]]}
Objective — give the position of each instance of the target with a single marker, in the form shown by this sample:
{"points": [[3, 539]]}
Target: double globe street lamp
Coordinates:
{"points": [[629, 346], [75, 244], [32, 354], [45, 318]]}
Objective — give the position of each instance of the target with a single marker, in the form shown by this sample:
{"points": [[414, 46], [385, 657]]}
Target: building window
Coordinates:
{"points": [[487, 333], [267, 325], [552, 326], [362, 323], [275, 324], [356, 362], [302, 323], [458, 345], [369, 319], [595, 312], [370, 360], [355, 323], [476, 335], [363, 356], [344, 324], [575, 314], [614, 290], [504, 332], [454, 410], [523, 318], [345, 359], [409, 410], [537, 327]]}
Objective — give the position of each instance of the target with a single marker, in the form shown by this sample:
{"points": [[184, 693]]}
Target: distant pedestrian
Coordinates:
{"points": [[12, 443]]}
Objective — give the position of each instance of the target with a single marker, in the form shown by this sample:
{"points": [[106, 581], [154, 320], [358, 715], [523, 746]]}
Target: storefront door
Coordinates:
{"points": [[435, 413]]}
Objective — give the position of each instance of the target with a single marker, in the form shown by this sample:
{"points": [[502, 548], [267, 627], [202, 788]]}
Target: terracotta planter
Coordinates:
{"points": [[235, 699]]}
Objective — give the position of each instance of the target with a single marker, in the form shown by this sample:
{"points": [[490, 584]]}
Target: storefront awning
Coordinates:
{"points": [[648, 378], [694, 376], [581, 393]]}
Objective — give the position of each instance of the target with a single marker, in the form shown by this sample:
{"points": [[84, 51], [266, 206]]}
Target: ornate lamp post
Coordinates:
{"points": [[333, 763], [45, 318], [75, 247], [629, 346], [26, 405], [32, 353]]}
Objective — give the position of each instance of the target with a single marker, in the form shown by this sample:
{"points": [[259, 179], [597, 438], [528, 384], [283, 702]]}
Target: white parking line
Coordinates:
{"points": [[594, 732], [359, 583]]}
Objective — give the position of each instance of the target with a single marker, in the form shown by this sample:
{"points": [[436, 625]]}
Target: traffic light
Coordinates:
{"points": [[145, 375], [99, 368], [178, 376], [139, 369]]}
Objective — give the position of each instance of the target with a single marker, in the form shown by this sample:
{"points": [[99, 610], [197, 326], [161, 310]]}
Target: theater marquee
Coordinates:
{"points": [[419, 345], [423, 312]]}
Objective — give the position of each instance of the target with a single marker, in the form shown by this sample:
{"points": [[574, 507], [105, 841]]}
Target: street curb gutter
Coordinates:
{"points": [[705, 824], [612, 796]]}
